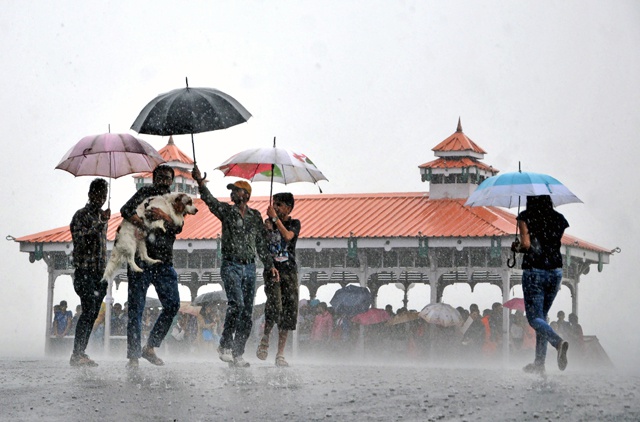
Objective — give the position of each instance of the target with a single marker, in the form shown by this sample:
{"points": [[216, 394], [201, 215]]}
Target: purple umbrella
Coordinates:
{"points": [[110, 155]]}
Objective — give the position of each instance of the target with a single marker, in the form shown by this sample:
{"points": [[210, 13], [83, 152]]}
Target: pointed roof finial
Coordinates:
{"points": [[459, 125]]}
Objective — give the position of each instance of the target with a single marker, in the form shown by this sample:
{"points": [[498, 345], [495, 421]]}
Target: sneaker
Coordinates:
{"points": [[225, 354], [534, 368], [149, 354], [81, 360], [562, 355], [239, 362]]}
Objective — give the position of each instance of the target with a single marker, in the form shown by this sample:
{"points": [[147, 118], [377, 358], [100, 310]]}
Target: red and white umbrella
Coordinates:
{"points": [[272, 165]]}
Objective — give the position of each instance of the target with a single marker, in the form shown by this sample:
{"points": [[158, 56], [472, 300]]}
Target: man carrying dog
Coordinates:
{"points": [[282, 294], [243, 234], [89, 234], [162, 275]]}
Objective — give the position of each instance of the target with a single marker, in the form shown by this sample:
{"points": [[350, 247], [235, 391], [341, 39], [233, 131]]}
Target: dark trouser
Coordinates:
{"points": [[165, 280], [87, 285], [240, 286], [540, 288], [282, 301]]}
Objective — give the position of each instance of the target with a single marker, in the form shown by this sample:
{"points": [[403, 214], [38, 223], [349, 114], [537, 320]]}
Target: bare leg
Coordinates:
{"points": [[263, 347], [282, 341]]}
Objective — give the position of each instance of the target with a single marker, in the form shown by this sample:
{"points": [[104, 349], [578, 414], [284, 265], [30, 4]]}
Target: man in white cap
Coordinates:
{"points": [[243, 234]]}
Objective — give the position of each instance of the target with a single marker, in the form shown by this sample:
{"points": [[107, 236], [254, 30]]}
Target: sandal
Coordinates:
{"points": [[281, 362], [263, 349]]}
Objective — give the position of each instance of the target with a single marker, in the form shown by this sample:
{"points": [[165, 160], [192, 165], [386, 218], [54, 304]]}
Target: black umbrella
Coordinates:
{"points": [[351, 300], [188, 111], [210, 297]]}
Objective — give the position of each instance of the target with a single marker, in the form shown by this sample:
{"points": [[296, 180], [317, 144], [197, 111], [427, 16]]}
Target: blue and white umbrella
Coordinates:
{"points": [[511, 190]]}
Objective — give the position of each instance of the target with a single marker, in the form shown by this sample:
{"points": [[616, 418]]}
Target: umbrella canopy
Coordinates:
{"points": [[256, 165], [511, 190], [110, 155], [272, 165], [517, 304], [210, 297], [188, 111], [372, 316], [441, 314], [351, 300], [404, 318]]}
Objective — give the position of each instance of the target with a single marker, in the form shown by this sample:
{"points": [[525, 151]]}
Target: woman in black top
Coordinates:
{"points": [[541, 230]]}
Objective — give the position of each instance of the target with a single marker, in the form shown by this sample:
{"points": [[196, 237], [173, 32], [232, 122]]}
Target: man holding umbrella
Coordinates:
{"points": [[162, 275], [89, 233], [243, 234], [282, 295]]}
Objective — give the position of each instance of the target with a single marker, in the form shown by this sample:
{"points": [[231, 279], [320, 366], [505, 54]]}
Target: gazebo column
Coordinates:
{"points": [[574, 296], [506, 288], [50, 286]]}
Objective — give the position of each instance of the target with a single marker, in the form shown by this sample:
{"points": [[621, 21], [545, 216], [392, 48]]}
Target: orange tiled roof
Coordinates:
{"points": [[458, 142], [171, 152], [447, 163], [376, 215]]}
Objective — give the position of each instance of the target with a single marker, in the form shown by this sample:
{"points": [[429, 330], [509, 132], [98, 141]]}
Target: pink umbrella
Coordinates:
{"points": [[110, 155], [517, 304], [372, 316]]}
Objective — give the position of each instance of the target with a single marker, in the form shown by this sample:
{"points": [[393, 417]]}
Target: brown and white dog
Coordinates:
{"points": [[176, 205]]}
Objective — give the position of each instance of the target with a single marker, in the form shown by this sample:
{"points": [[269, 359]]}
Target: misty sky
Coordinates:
{"points": [[364, 88]]}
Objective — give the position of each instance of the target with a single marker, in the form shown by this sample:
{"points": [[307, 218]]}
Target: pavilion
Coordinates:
{"points": [[371, 239]]}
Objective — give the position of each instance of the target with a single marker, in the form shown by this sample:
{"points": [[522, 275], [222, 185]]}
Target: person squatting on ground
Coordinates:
{"points": [[282, 295], [243, 234], [162, 275], [541, 229], [89, 235]]}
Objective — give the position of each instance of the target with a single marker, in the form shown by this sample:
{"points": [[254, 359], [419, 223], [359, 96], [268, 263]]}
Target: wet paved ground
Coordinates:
{"points": [[207, 390]]}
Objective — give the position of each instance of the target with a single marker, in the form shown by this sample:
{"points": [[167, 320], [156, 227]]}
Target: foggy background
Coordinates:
{"points": [[364, 88]]}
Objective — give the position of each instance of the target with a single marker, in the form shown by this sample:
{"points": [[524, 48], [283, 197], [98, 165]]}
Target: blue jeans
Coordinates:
{"points": [[540, 288], [240, 286], [165, 280]]}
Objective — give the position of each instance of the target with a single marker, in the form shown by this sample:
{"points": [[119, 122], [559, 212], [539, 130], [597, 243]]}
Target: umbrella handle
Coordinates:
{"points": [[511, 262]]}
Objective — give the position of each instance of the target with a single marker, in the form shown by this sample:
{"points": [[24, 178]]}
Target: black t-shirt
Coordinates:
{"points": [[283, 252], [545, 231]]}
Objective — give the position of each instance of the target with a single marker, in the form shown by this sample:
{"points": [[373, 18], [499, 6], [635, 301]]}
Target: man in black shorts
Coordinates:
{"points": [[282, 295]]}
